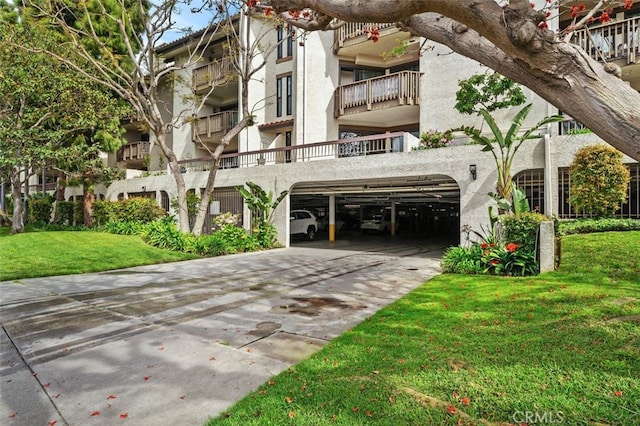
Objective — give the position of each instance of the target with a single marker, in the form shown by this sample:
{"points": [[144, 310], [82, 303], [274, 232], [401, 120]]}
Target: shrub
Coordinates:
{"points": [[510, 259], [123, 228], [522, 229], [463, 260], [434, 139], [584, 226], [599, 180], [223, 219], [138, 209], [40, 210], [64, 212], [164, 233]]}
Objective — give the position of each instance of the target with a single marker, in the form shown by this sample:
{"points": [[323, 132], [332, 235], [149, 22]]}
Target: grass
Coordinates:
{"points": [[41, 253], [561, 347]]}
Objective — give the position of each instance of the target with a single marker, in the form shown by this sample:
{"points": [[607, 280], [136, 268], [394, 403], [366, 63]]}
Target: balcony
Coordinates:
{"points": [[617, 42], [388, 91], [211, 128], [213, 74], [134, 151], [386, 143], [352, 42]]}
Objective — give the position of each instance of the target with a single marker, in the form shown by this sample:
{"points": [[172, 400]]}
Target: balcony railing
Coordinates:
{"points": [[615, 40], [355, 32], [401, 88], [215, 73], [214, 126], [342, 148], [134, 151]]}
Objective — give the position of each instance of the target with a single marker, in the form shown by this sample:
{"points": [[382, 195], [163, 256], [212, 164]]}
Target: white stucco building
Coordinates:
{"points": [[336, 123]]}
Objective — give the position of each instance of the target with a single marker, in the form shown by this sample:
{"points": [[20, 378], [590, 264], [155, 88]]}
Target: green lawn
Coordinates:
{"points": [[41, 253], [562, 347]]}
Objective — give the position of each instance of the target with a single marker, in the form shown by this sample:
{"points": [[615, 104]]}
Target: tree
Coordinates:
{"points": [[489, 91], [141, 79], [43, 119], [513, 40], [599, 180]]}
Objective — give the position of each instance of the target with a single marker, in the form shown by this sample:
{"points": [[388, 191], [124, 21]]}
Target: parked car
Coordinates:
{"points": [[377, 223], [303, 222]]}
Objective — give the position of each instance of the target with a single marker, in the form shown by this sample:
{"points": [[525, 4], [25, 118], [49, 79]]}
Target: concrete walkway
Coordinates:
{"points": [[173, 344]]}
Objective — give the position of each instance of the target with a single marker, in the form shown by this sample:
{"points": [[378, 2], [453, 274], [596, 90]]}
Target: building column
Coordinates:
{"points": [[550, 179], [332, 217], [393, 218]]}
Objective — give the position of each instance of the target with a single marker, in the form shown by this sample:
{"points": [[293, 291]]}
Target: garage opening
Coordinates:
{"points": [[413, 209]]}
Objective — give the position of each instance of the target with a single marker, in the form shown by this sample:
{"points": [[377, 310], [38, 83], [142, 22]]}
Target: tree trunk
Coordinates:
{"points": [[203, 207], [60, 188], [87, 204], [17, 223]]}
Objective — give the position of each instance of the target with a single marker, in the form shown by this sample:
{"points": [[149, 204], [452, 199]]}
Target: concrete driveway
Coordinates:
{"points": [[177, 343]]}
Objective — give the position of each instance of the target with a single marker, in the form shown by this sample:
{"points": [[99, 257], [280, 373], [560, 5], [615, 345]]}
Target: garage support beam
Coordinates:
{"points": [[393, 218], [332, 217]]}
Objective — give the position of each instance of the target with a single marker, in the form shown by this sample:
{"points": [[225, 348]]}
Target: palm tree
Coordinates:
{"points": [[504, 147]]}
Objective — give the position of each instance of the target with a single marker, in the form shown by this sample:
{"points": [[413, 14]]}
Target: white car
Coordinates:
{"points": [[303, 222], [377, 223]]}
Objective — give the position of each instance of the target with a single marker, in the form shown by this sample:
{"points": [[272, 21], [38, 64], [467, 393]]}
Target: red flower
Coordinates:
{"points": [[484, 246], [252, 3], [627, 4], [511, 247], [494, 261], [604, 17]]}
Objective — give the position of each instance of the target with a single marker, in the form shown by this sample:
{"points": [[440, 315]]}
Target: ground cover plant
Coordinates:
{"points": [[39, 253], [562, 346]]}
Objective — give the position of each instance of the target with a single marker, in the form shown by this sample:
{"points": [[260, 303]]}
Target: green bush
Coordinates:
{"points": [[64, 212], [599, 180], [164, 233], [237, 239], [40, 210], [585, 226], [78, 213], [123, 228], [510, 260], [463, 260], [138, 209], [522, 229]]}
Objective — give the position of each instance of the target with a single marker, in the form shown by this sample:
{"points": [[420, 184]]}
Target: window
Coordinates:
{"points": [[288, 100], [284, 48], [289, 94], [279, 97]]}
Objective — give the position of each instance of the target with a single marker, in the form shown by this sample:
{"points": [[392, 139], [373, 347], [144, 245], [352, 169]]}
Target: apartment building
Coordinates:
{"points": [[336, 124]]}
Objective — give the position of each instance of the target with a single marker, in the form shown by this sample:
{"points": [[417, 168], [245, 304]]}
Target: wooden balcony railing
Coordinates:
{"points": [[614, 40], [214, 126], [401, 88], [215, 73], [353, 147], [355, 32], [134, 151]]}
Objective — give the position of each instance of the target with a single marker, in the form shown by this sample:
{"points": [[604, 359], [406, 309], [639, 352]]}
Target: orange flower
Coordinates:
{"points": [[511, 247]]}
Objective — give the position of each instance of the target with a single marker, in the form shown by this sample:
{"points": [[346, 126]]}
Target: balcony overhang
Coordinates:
{"points": [[274, 125]]}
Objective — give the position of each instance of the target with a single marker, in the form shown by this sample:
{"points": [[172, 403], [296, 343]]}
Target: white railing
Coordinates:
{"points": [[352, 31], [342, 148], [614, 40], [403, 86]]}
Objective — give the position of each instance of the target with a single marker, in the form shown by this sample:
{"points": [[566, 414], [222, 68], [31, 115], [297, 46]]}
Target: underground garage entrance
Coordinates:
{"points": [[420, 209]]}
